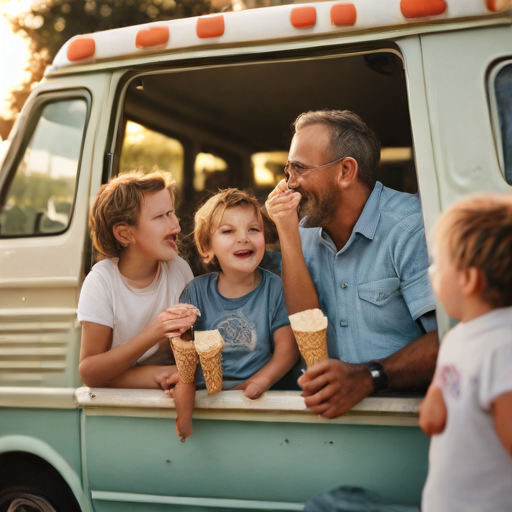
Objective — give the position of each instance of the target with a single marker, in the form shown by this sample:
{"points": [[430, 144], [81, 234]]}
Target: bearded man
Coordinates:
{"points": [[359, 254]]}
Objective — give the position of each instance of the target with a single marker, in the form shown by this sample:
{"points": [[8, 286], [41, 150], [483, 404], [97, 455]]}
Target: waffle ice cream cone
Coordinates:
{"points": [[186, 359], [310, 330], [209, 345]]}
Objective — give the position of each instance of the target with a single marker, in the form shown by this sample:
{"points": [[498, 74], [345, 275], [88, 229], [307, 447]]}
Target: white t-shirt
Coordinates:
{"points": [[107, 299], [469, 468]]}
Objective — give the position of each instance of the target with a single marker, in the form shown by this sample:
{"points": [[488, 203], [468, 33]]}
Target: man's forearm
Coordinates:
{"points": [[299, 290], [413, 366]]}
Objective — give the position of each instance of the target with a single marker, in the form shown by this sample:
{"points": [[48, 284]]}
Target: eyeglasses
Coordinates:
{"points": [[300, 170]]}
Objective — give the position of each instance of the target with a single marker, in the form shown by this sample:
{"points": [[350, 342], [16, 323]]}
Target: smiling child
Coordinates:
{"points": [[129, 301], [244, 302]]}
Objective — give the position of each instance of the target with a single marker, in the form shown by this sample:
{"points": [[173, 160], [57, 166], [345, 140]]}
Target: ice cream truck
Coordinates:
{"points": [[211, 99]]}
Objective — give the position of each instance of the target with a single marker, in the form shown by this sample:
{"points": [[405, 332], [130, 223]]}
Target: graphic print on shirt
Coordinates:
{"points": [[450, 380], [238, 332]]}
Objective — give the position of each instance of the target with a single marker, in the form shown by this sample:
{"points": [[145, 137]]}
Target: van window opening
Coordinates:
{"points": [[146, 149], [234, 123]]}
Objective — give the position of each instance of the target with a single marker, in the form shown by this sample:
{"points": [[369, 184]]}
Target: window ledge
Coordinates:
{"points": [[232, 405]]}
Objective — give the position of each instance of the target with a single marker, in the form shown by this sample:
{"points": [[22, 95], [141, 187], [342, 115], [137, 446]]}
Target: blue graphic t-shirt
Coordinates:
{"points": [[247, 323]]}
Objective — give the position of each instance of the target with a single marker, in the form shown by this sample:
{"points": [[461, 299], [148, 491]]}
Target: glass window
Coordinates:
{"points": [[40, 196], [503, 92], [209, 172], [147, 150], [268, 167]]}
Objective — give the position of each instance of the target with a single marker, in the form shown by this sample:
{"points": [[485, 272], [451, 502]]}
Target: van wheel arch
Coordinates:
{"points": [[26, 475]]}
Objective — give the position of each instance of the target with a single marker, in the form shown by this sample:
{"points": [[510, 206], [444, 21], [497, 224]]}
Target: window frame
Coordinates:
{"points": [[494, 69], [24, 132]]}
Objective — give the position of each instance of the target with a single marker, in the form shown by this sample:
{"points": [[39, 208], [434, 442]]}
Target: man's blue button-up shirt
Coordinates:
{"points": [[375, 288]]}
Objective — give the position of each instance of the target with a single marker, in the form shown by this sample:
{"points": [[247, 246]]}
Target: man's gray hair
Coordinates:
{"points": [[350, 136]]}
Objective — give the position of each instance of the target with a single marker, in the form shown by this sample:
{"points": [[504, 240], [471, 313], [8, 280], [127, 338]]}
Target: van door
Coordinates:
{"points": [[44, 194]]}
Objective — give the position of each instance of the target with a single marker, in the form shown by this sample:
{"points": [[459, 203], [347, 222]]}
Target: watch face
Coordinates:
{"points": [[375, 374]]}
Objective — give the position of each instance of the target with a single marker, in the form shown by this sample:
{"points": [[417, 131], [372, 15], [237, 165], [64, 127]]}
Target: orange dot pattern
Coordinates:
{"points": [[498, 5], [422, 8], [303, 17], [343, 15], [210, 26], [152, 37], [81, 49]]}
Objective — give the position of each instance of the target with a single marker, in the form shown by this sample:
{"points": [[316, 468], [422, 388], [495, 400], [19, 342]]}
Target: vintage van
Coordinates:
{"points": [[211, 100]]}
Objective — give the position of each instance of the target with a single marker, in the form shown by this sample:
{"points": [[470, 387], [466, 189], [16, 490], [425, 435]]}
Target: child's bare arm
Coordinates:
{"points": [[99, 365], [433, 412], [144, 377], [284, 357], [502, 416]]}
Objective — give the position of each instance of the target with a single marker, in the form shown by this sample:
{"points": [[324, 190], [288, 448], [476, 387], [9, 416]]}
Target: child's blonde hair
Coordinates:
{"points": [[478, 233], [120, 201], [209, 216]]}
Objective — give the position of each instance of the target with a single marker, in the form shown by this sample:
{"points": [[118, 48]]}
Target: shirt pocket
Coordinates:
{"points": [[379, 292]]}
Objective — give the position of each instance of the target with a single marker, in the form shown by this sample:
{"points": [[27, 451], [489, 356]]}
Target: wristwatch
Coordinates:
{"points": [[380, 379]]}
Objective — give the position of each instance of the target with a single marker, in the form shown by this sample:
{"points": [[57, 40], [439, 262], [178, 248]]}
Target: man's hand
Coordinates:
{"points": [[332, 387], [282, 204]]}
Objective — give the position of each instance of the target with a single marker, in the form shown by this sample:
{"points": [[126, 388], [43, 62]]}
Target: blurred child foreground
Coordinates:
{"points": [[468, 407]]}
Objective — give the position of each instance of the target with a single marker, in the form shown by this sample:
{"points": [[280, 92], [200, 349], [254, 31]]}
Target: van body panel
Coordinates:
{"points": [[55, 429], [41, 275], [465, 153], [233, 460], [249, 27]]}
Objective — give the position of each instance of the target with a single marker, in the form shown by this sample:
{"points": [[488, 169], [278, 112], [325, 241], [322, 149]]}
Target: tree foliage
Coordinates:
{"points": [[48, 24]]}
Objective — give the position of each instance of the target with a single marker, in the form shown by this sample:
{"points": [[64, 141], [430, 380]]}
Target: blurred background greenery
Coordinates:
{"points": [[48, 24]]}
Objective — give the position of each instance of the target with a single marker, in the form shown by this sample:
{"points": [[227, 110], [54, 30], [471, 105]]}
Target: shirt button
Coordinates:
{"points": [[344, 285], [344, 323]]}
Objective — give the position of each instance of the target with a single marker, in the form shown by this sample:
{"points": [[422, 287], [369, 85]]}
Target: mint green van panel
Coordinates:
{"points": [[58, 428], [286, 462]]}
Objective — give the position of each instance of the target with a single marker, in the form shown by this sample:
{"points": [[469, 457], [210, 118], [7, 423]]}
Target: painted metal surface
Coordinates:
{"points": [[274, 23], [56, 428], [41, 276], [187, 503], [37, 398], [263, 461], [466, 160]]}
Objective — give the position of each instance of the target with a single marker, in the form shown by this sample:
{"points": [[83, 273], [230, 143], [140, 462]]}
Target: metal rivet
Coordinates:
{"points": [[344, 285], [23, 299]]}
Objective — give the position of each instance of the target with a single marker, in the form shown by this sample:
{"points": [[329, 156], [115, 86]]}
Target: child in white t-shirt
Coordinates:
{"points": [[468, 407], [129, 301]]}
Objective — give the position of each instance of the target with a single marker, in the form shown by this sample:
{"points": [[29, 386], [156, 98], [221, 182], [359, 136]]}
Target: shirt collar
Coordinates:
{"points": [[369, 218], [367, 223]]}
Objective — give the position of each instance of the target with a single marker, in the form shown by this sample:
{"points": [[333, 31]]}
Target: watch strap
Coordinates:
{"points": [[379, 377]]}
